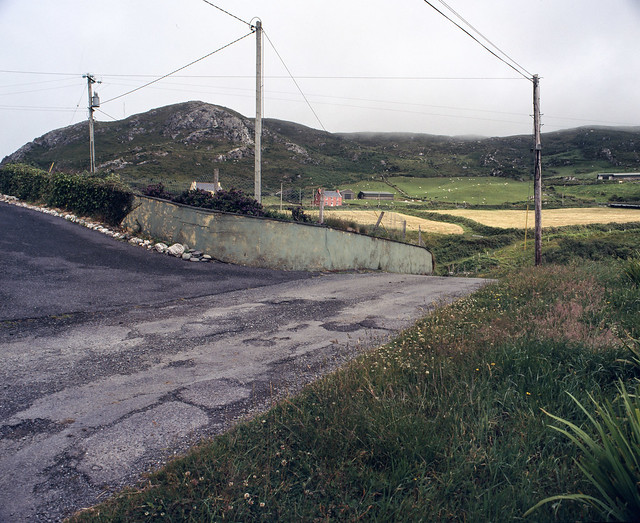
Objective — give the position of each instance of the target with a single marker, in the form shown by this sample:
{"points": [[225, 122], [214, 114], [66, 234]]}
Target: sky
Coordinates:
{"points": [[342, 66]]}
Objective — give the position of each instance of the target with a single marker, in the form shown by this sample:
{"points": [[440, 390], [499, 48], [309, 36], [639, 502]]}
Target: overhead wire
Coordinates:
{"points": [[483, 36], [84, 90], [301, 77], [179, 69], [516, 69], [106, 114], [296, 83], [227, 13]]}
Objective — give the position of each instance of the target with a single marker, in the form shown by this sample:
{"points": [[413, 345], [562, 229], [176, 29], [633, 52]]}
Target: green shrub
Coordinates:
{"points": [[105, 199], [23, 181], [233, 200], [298, 215], [157, 191]]}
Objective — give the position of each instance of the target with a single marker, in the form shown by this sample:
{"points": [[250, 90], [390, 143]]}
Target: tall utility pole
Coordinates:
{"points": [[258, 124], [94, 102], [537, 169]]}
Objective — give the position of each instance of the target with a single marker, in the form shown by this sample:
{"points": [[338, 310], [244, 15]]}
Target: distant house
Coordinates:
{"points": [[348, 194], [619, 176], [375, 195], [208, 186], [331, 198], [205, 186]]}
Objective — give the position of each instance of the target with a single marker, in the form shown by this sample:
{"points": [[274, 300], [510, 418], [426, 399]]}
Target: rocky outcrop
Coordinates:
{"points": [[199, 121]]}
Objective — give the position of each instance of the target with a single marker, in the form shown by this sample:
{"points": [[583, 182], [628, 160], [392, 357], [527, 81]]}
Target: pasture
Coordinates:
{"points": [[392, 220], [456, 190], [518, 219]]}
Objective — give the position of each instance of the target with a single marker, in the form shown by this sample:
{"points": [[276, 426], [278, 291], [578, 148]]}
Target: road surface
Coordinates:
{"points": [[116, 358]]}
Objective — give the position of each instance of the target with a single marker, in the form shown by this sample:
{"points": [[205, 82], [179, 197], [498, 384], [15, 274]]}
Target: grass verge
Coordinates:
{"points": [[443, 423]]}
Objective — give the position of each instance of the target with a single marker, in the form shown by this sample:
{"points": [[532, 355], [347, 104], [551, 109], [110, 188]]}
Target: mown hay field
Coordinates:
{"points": [[550, 217], [393, 220]]}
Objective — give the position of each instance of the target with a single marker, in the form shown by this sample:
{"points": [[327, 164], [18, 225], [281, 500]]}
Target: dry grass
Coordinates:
{"points": [[393, 220], [550, 217]]}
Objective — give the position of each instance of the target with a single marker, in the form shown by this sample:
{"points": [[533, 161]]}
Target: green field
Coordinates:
{"points": [[457, 190], [490, 191], [601, 192]]}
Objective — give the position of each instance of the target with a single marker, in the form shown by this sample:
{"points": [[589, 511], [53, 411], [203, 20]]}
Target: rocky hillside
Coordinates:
{"points": [[179, 143]]}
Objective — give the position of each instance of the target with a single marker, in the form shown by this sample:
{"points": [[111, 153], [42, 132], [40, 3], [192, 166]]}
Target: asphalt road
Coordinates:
{"points": [[114, 358], [50, 267]]}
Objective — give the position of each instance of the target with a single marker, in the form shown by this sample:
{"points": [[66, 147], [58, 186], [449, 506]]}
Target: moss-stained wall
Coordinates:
{"points": [[264, 242]]}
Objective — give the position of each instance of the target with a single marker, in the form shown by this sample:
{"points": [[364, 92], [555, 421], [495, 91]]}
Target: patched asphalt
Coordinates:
{"points": [[115, 358]]}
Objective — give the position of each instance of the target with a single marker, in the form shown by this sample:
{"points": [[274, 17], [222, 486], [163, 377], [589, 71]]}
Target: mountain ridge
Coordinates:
{"points": [[178, 143]]}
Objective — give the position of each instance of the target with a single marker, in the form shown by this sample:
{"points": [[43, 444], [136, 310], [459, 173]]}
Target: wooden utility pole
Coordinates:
{"points": [[93, 103], [537, 170], [321, 203], [258, 124]]}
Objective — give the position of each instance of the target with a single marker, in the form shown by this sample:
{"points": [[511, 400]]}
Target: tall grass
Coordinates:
{"points": [[610, 456], [444, 423]]}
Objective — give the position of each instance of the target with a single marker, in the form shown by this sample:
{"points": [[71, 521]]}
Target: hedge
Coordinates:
{"points": [[106, 199]]}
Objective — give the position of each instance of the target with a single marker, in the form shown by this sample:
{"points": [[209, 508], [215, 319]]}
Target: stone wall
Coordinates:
{"points": [[264, 242]]}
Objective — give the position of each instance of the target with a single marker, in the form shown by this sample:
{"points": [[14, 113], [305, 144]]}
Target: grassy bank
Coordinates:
{"points": [[443, 423]]}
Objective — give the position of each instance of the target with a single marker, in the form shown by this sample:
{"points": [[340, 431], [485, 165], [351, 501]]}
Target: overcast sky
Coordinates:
{"points": [[363, 65]]}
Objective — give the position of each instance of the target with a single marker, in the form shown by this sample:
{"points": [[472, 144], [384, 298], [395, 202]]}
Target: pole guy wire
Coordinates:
{"points": [[296, 84], [177, 70]]}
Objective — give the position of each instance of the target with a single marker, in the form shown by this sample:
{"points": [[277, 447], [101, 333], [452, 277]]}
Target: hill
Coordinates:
{"points": [[179, 143]]}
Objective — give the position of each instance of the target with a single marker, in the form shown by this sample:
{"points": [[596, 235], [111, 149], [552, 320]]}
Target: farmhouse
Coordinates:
{"points": [[331, 198], [375, 195], [205, 186], [619, 176]]}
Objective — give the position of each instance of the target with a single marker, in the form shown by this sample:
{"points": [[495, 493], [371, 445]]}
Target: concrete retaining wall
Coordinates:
{"points": [[263, 242]]}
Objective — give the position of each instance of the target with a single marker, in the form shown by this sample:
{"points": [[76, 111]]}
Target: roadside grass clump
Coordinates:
{"points": [[632, 269], [609, 457], [445, 422]]}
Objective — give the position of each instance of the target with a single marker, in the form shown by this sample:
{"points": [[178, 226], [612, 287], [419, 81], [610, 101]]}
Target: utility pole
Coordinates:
{"points": [[321, 203], [537, 170], [94, 102], [258, 123]]}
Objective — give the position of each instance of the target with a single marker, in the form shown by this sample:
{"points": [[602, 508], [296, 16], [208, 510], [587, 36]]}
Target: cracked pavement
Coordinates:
{"points": [[94, 396]]}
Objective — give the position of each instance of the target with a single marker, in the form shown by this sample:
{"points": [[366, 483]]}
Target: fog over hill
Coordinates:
{"points": [[183, 142]]}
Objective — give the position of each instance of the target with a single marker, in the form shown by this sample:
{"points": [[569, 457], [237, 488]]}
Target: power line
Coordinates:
{"points": [[483, 36], [320, 77], [84, 89], [37, 72], [227, 13], [101, 111], [179, 69], [37, 90], [476, 40], [296, 83], [303, 77], [35, 108]]}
